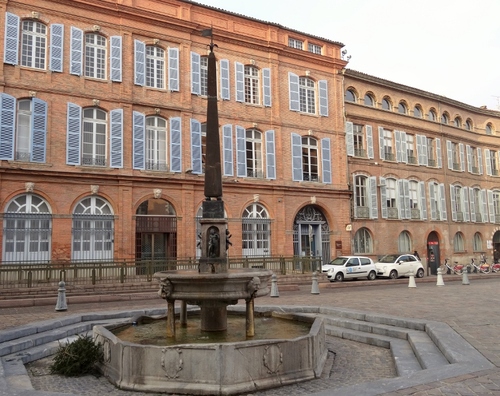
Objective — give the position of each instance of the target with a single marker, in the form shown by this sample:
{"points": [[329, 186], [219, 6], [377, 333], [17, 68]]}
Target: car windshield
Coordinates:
{"points": [[389, 258], [339, 261]]}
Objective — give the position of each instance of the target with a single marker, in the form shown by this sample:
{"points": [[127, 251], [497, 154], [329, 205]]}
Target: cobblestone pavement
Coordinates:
{"points": [[472, 310]]}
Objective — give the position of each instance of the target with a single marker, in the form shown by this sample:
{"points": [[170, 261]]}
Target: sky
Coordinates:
{"points": [[447, 47]]}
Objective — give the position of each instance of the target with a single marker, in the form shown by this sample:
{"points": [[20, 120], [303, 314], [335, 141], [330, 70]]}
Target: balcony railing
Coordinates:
{"points": [[362, 212], [456, 166], [431, 162], [359, 152], [412, 160], [93, 161]]}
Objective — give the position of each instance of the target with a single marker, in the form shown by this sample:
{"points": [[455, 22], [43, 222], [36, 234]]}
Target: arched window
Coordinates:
{"points": [[417, 111], [155, 67], [402, 108], [445, 119], [369, 101], [93, 230], [350, 96], [34, 44], [27, 229], [156, 143], [478, 242], [468, 124], [386, 104], [457, 122], [432, 115], [458, 243], [256, 231], [404, 242], [489, 129], [363, 241]]}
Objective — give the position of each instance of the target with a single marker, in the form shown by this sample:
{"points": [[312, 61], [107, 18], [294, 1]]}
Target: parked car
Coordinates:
{"points": [[397, 265], [350, 267]]}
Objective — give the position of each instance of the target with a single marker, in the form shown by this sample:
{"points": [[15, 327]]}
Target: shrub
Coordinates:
{"points": [[79, 357]]}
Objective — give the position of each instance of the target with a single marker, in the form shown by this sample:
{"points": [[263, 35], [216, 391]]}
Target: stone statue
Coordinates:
{"points": [[213, 243]]}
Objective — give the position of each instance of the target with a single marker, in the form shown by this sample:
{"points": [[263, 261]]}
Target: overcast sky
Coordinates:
{"points": [[447, 47]]}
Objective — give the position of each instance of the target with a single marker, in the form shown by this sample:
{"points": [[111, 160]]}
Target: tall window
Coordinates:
{"points": [[27, 230], [363, 241], [361, 192], [155, 67], [402, 108], [404, 242], [310, 159], [156, 143], [359, 146], [431, 152], [386, 104], [34, 44], [93, 230], [457, 122], [432, 115], [94, 137], [369, 101], [458, 243], [489, 129], [410, 148], [251, 85], [95, 56], [23, 138], [417, 111], [391, 191], [388, 151], [491, 158], [307, 95], [477, 243], [414, 194], [204, 75], [256, 231], [445, 119], [254, 153]]}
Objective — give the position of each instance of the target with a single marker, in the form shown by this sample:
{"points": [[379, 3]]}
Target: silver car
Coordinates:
{"points": [[350, 267]]}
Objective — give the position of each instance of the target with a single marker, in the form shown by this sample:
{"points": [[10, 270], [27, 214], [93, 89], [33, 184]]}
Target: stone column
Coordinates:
{"points": [[170, 318]]}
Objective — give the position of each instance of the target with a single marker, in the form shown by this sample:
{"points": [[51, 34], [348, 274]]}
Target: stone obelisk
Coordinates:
{"points": [[214, 233]]}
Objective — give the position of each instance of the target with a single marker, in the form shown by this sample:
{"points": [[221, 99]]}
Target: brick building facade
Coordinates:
{"points": [[102, 114]]}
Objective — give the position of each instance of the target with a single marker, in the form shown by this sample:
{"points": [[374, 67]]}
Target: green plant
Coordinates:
{"points": [[79, 357]]}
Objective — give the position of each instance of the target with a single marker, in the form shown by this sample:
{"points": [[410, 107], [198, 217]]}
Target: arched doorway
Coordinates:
{"points": [[433, 253], [496, 241], [311, 234], [155, 230]]}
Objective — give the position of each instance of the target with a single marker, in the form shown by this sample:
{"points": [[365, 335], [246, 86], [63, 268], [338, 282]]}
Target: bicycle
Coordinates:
{"points": [[448, 269], [482, 268]]}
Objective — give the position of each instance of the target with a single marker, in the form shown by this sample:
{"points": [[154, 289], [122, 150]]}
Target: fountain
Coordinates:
{"points": [[213, 368]]}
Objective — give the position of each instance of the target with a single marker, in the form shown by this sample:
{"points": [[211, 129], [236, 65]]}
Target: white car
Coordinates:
{"points": [[350, 267], [396, 265]]}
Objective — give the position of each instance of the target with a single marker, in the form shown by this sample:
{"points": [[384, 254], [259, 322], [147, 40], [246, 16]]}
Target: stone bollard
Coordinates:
{"points": [[274, 286], [465, 277], [315, 286], [411, 281], [440, 281], [61, 297]]}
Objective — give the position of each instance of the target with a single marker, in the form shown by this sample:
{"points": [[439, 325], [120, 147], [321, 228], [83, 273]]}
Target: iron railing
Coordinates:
{"points": [[37, 274]]}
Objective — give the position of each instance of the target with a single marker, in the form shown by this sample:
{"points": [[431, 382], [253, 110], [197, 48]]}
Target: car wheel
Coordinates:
{"points": [[393, 274], [372, 275], [420, 273], [339, 277]]}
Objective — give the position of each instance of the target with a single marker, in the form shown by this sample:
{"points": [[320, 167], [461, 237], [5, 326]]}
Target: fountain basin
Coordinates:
{"points": [[214, 368]]}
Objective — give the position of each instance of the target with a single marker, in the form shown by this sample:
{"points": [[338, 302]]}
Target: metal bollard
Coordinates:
{"points": [[274, 286], [61, 297], [440, 281], [465, 277], [411, 281], [315, 286]]}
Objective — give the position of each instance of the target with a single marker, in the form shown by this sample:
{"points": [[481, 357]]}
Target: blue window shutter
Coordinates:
{"points": [[241, 152], [56, 47], [39, 128], [227, 142], [116, 138], [195, 74], [196, 150], [323, 98], [225, 92], [115, 58], [349, 138], [270, 155], [175, 145], [173, 69], [76, 52], [139, 63], [7, 126], [293, 86], [240, 81], [266, 85], [74, 134], [296, 157], [326, 158], [139, 133], [11, 41]]}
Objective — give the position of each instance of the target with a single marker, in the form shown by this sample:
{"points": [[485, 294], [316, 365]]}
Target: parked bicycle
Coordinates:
{"points": [[483, 267], [495, 267], [457, 269]]}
